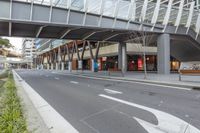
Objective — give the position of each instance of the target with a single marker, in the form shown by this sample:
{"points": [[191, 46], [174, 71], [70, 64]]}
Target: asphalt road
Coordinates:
{"points": [[94, 106]]}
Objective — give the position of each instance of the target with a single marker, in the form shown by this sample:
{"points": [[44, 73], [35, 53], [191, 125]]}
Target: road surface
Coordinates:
{"points": [[106, 106]]}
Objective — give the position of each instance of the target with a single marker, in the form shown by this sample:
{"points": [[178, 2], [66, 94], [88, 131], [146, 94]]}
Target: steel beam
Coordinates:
{"points": [[77, 51], [87, 35], [101, 12], [180, 11], [31, 12], [198, 26], [39, 31], [110, 37], [97, 50], [90, 48], [115, 13], [10, 29], [143, 11], [50, 11], [69, 9], [156, 12], [167, 15], [131, 13], [83, 50], [86, 10], [189, 20], [65, 33]]}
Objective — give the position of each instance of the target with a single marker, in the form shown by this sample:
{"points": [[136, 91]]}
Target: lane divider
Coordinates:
{"points": [[112, 91], [74, 82]]}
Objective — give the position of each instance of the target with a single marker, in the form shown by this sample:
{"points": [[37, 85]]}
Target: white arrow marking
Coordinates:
{"points": [[112, 91], [148, 126], [166, 122]]}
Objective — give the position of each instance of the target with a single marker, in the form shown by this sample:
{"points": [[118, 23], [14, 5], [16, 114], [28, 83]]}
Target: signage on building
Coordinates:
{"points": [[140, 64], [104, 58]]}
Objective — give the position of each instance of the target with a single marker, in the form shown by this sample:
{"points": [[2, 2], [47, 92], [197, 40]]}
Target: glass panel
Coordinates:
{"points": [[94, 6], [123, 9], [60, 3], [77, 5], [109, 7]]}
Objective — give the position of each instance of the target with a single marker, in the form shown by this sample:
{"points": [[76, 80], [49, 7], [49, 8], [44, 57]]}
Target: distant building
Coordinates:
{"points": [[28, 48], [29, 51]]}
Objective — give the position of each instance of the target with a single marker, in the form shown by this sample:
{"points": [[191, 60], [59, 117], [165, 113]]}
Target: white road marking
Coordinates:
{"points": [[54, 121], [166, 122], [73, 82], [112, 91], [161, 102], [187, 116], [56, 78]]}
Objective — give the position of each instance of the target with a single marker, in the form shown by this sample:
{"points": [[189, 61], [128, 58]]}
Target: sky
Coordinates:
{"points": [[17, 42]]}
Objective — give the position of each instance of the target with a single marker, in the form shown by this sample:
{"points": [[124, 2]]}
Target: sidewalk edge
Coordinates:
{"points": [[53, 120], [194, 87]]}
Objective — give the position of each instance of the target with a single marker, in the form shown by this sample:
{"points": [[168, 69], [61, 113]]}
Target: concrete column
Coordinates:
{"points": [[70, 66], [119, 56], [163, 54], [92, 66], [51, 66], [80, 65], [122, 57], [48, 66], [42, 66], [56, 66], [62, 65]]}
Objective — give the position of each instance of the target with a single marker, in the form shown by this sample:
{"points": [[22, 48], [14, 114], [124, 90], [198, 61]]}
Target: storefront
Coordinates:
{"points": [[106, 63], [136, 63]]}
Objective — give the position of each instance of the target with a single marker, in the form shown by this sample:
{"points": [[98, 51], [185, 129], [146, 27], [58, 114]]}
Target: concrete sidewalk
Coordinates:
{"points": [[171, 79]]}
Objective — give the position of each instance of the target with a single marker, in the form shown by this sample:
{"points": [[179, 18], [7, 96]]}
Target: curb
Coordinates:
{"points": [[52, 119], [33, 119], [193, 87]]}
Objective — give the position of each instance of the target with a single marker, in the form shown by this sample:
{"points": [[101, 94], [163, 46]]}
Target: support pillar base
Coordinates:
{"points": [[70, 66], [51, 66], [62, 66]]}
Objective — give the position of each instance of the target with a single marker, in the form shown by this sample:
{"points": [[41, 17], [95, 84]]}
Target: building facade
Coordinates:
{"points": [[28, 51], [78, 55]]}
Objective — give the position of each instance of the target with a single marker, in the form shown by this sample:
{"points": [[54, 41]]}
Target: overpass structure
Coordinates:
{"points": [[175, 23]]}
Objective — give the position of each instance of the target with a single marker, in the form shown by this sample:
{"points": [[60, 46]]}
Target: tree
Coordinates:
{"points": [[5, 43]]}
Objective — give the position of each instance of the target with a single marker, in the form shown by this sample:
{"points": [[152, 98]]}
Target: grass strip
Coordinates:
{"points": [[11, 115]]}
